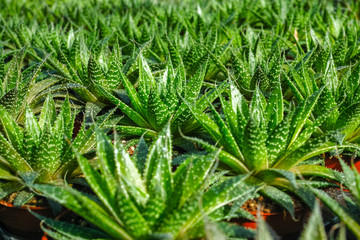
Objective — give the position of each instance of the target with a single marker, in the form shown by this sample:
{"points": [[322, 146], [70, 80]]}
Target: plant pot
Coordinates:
{"points": [[20, 221], [333, 163], [281, 222]]}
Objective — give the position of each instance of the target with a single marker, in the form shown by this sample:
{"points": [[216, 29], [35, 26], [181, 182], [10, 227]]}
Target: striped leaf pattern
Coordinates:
{"points": [[273, 138], [41, 146], [170, 201]]}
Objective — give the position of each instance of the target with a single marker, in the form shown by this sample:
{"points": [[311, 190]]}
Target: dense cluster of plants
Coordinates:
{"points": [[223, 101]]}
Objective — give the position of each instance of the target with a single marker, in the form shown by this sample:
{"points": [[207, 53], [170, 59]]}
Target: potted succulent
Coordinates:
{"points": [[268, 141], [141, 197], [341, 93], [37, 152]]}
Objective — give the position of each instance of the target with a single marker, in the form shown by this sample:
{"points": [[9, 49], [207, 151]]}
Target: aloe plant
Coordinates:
{"points": [[38, 151], [141, 197], [74, 66], [341, 94], [20, 88], [154, 103], [268, 141]]}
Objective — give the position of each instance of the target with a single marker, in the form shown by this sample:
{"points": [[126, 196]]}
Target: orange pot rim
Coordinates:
{"points": [[6, 204]]}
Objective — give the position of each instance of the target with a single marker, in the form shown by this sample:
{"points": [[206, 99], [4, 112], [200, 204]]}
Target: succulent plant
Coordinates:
{"points": [[268, 141], [23, 85], [141, 197], [156, 101], [341, 94], [39, 150]]}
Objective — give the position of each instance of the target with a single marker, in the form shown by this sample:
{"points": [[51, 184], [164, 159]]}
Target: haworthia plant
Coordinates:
{"points": [[39, 150], [267, 140], [156, 101], [136, 204], [20, 88], [340, 95]]}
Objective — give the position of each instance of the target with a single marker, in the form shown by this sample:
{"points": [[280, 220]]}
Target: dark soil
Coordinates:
{"points": [[267, 206], [35, 201]]}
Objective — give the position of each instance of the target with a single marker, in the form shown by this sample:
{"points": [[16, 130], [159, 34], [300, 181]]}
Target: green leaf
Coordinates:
{"points": [[278, 140], [7, 174], [131, 217], [279, 197], [205, 121], [260, 80], [187, 182], [113, 76], [146, 82], [227, 139], [302, 114], [158, 112], [106, 156], [254, 145], [32, 134], [134, 62], [9, 100], [9, 187], [352, 225], [95, 74], [349, 120], [12, 157], [127, 172], [193, 87], [141, 153], [69, 230], [314, 229], [234, 163], [97, 183], [85, 207], [263, 231], [312, 148], [23, 197], [158, 175], [48, 113], [47, 153], [181, 220], [135, 131], [132, 114], [12, 131], [132, 93]]}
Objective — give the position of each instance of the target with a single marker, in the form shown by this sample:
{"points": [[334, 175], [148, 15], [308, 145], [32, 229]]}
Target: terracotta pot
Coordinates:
{"points": [[20, 221], [281, 222], [333, 163]]}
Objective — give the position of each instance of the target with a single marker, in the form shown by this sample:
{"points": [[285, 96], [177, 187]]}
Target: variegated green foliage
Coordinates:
{"points": [[155, 101], [257, 65], [269, 141], [142, 205], [19, 85], [72, 63], [39, 150], [348, 212], [340, 96]]}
